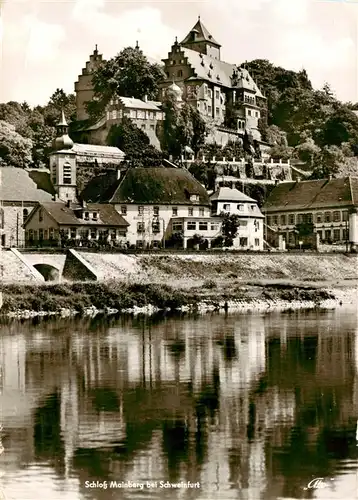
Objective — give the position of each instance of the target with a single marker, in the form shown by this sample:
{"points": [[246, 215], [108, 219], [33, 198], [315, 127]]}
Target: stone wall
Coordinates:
{"points": [[77, 268]]}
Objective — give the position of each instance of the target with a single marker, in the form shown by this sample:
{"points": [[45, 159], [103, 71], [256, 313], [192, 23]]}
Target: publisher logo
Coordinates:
{"points": [[318, 483]]}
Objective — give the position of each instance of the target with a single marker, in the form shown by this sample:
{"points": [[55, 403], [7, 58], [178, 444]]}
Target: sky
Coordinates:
{"points": [[46, 43]]}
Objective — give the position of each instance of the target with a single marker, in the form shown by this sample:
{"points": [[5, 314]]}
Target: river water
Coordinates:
{"points": [[251, 406]]}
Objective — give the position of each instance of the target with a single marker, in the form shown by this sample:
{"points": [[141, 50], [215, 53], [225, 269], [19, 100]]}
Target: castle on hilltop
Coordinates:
{"points": [[225, 94]]}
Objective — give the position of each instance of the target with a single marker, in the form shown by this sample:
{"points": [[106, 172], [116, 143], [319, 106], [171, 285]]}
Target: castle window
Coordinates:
{"points": [[67, 173], [226, 207], [217, 94], [152, 127], [175, 211], [203, 226], [201, 212], [190, 212], [291, 219], [124, 209], [2, 218], [156, 210], [209, 110], [86, 216], [141, 210], [327, 217], [249, 112], [191, 226], [180, 73], [95, 216], [217, 111], [345, 215]]}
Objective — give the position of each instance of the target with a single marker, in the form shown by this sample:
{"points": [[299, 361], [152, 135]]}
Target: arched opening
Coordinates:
{"points": [[50, 273]]}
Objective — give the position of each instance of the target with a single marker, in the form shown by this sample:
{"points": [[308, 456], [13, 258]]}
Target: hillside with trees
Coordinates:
{"points": [[26, 133], [305, 123]]}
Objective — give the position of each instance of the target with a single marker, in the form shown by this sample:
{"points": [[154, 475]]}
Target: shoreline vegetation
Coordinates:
{"points": [[92, 298], [191, 283]]}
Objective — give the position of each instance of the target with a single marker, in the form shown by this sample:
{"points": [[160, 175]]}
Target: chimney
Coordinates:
{"points": [[145, 98]]}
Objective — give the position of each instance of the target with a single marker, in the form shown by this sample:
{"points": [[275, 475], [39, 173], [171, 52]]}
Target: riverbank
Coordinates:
{"points": [[24, 301], [196, 282]]}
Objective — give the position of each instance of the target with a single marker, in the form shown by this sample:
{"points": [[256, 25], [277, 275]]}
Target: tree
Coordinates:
{"points": [[128, 74], [229, 227], [307, 151], [134, 143], [183, 126], [328, 162], [59, 101], [15, 150]]}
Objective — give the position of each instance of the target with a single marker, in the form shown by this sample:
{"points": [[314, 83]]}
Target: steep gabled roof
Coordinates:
{"points": [[220, 71], [162, 185], [66, 216], [313, 194], [203, 35], [20, 185]]}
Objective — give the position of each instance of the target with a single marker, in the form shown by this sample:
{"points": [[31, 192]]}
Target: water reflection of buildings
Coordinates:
{"points": [[209, 400]]}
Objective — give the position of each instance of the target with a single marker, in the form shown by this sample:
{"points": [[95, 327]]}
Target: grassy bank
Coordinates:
{"points": [[119, 296]]}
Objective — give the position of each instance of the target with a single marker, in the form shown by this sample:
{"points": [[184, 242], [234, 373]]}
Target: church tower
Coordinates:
{"points": [[200, 40], [84, 87], [63, 163]]}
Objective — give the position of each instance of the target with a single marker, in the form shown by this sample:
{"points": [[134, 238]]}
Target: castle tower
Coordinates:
{"points": [[84, 87], [200, 40], [63, 163]]}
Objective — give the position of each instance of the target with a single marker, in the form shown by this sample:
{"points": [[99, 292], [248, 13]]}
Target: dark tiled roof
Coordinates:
{"points": [[159, 185], [18, 184], [100, 188], [203, 34], [64, 215], [313, 194], [220, 71]]}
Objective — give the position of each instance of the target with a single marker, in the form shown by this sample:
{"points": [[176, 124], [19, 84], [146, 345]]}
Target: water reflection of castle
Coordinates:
{"points": [[157, 398]]}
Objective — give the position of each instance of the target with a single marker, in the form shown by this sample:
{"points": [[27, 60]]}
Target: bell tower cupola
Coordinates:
{"points": [[63, 163]]}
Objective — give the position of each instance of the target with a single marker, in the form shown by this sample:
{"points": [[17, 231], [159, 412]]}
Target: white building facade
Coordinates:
{"points": [[250, 234]]}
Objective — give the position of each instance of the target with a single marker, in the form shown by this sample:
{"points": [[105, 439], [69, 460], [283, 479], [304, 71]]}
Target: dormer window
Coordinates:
{"points": [[95, 216], [86, 215], [194, 197]]}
